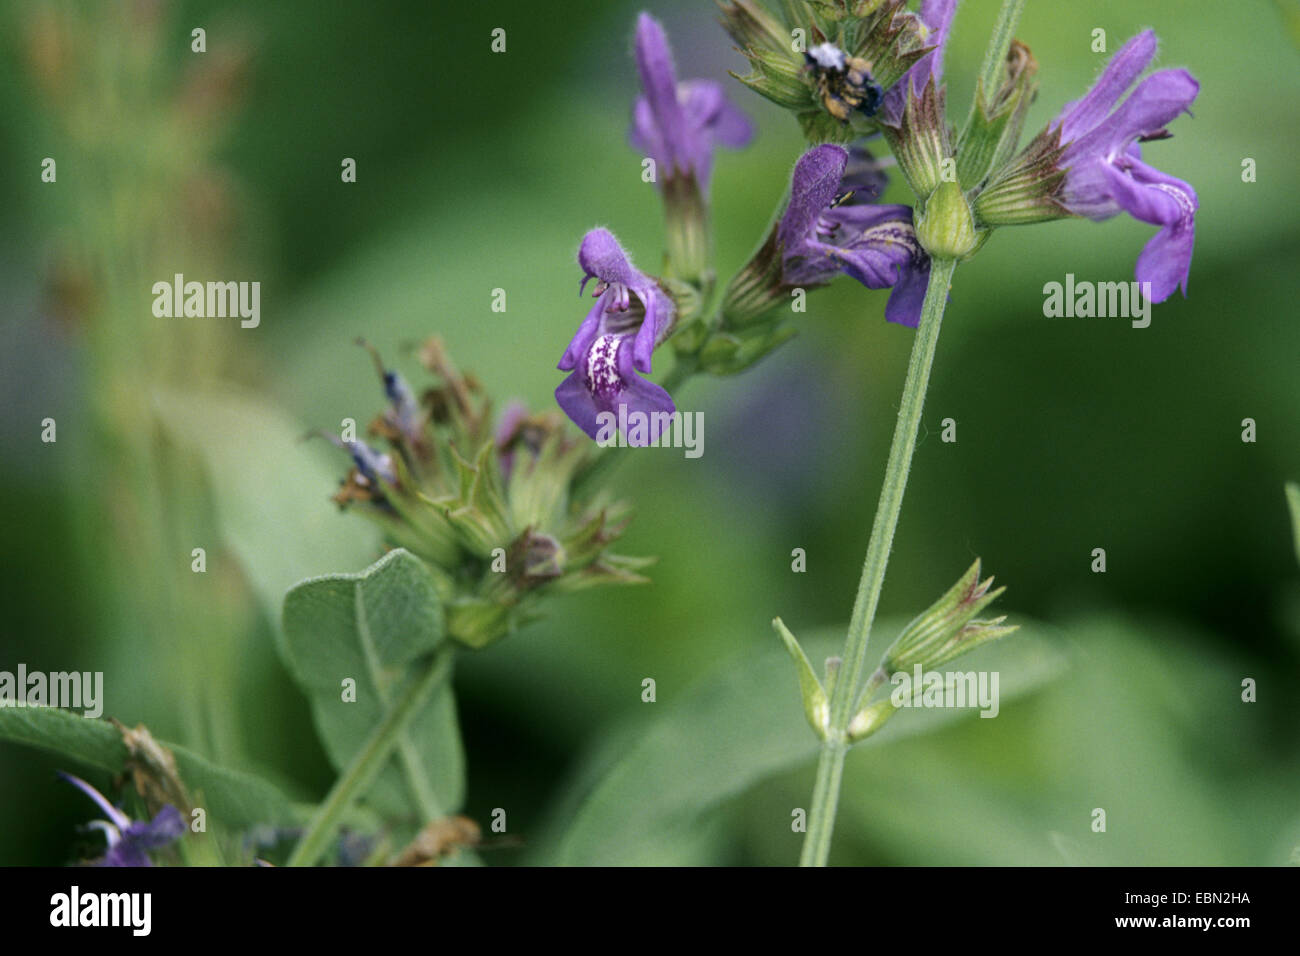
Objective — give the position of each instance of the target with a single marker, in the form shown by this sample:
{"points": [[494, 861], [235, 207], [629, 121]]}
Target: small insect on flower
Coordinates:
{"points": [[844, 83]]}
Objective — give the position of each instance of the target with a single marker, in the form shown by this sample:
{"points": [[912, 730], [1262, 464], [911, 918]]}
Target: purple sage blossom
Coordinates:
{"points": [[403, 413], [823, 233], [372, 466], [676, 123], [937, 16], [1105, 174], [128, 840], [631, 316]]}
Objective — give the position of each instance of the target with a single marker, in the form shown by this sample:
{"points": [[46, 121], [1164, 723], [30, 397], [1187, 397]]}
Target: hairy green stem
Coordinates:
{"points": [[369, 760], [848, 686]]}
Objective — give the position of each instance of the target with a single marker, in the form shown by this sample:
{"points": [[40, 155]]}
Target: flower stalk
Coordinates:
{"points": [[845, 693], [369, 760]]}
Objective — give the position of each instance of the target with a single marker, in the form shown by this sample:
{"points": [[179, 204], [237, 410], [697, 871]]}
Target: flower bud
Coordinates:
{"points": [[946, 228], [920, 140], [816, 703], [870, 719], [948, 628]]}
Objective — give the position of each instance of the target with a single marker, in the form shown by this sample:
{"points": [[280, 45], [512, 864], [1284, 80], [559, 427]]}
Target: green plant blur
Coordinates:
{"points": [[478, 171]]}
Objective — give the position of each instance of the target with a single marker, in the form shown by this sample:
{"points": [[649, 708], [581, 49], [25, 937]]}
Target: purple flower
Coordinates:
{"points": [[822, 233], [937, 16], [677, 124], [127, 839], [403, 413], [372, 466], [631, 316], [1105, 174]]}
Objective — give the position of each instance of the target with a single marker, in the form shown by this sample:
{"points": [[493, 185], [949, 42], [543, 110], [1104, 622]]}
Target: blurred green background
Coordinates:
{"points": [[479, 171]]}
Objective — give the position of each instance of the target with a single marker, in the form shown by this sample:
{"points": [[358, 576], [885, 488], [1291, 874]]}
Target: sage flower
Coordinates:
{"points": [[1088, 162], [1104, 171], [826, 230], [677, 124], [128, 840], [631, 316]]}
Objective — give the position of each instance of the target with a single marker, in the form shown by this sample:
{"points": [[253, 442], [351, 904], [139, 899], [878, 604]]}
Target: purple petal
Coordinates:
{"points": [[875, 254], [1152, 196], [578, 403], [708, 108], [644, 134], [905, 302], [583, 338], [1082, 116], [1157, 101], [654, 60], [864, 175], [166, 827], [118, 818], [868, 215], [937, 15], [640, 395], [511, 419], [658, 314], [813, 187], [600, 255]]}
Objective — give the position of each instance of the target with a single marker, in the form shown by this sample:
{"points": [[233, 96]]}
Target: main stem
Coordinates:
{"points": [[370, 759], [830, 768]]}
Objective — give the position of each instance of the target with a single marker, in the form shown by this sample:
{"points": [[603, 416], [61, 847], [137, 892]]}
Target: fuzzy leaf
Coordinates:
{"points": [[370, 627], [654, 780], [232, 797]]}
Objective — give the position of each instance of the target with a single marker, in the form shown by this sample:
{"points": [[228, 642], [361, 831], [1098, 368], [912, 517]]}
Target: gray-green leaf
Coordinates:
{"points": [[654, 779], [369, 628], [234, 798]]}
